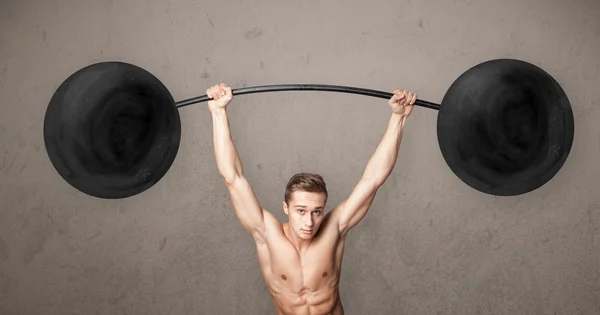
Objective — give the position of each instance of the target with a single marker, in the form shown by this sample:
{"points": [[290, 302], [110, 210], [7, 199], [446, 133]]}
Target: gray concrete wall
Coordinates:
{"points": [[429, 245]]}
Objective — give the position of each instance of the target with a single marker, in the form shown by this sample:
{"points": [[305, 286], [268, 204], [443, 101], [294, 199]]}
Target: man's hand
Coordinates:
{"points": [[402, 102], [221, 96]]}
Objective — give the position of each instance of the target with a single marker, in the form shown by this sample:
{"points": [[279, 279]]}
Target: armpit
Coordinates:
{"points": [[259, 239]]}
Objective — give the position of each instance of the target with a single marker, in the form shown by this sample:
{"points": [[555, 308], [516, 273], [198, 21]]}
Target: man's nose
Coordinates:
{"points": [[309, 221]]}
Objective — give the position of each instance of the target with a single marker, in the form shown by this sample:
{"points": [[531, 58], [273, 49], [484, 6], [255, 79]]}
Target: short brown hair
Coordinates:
{"points": [[305, 182]]}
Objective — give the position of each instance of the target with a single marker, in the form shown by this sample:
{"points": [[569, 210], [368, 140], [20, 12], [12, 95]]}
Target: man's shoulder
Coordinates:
{"points": [[269, 217], [271, 222], [333, 215]]}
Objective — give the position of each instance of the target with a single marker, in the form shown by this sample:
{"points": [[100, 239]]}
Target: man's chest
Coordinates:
{"points": [[318, 266]]}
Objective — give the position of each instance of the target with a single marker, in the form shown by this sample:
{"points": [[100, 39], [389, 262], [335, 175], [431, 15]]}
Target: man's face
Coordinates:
{"points": [[305, 212]]}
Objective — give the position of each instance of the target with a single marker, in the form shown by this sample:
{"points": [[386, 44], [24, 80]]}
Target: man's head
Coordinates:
{"points": [[305, 201]]}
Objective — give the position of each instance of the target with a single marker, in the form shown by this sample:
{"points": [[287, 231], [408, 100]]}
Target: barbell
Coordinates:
{"points": [[504, 127]]}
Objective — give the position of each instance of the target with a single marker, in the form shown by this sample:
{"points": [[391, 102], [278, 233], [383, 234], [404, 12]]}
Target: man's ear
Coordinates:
{"points": [[285, 208]]}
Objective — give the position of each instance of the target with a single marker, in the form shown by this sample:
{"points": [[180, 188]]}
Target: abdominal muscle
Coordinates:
{"points": [[320, 301]]}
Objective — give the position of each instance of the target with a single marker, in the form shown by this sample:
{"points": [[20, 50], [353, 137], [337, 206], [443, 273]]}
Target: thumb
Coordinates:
{"points": [[397, 97], [400, 94]]}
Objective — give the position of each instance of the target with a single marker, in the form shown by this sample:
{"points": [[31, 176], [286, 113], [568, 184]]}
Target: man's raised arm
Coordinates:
{"points": [[380, 165], [246, 206]]}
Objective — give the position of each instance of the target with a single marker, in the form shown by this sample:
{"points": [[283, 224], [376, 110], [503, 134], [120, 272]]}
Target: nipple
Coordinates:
{"points": [[283, 277], [324, 274]]}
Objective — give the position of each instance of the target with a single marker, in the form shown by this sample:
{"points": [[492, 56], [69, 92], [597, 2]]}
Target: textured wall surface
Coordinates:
{"points": [[429, 245]]}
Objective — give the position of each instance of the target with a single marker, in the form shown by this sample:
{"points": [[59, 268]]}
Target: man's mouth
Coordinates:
{"points": [[307, 231]]}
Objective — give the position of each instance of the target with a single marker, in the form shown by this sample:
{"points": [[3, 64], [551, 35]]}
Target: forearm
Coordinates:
{"points": [[228, 160], [382, 162]]}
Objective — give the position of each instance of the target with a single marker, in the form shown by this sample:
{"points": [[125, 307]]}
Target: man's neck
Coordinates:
{"points": [[300, 244]]}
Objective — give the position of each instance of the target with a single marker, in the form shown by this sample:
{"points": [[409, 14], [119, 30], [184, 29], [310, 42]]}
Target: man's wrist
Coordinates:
{"points": [[218, 111], [399, 116]]}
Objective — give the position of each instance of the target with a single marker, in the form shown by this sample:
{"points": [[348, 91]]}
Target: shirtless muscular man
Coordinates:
{"points": [[301, 259]]}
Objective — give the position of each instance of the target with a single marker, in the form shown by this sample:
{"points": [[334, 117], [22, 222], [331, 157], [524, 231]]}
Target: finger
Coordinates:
{"points": [[222, 89], [409, 97], [215, 92], [414, 99], [405, 97]]}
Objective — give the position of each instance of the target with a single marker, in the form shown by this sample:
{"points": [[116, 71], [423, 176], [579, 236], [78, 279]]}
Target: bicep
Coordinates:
{"points": [[246, 205], [352, 210]]}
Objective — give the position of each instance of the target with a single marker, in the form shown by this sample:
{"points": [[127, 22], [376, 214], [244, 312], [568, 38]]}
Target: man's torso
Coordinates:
{"points": [[302, 282]]}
